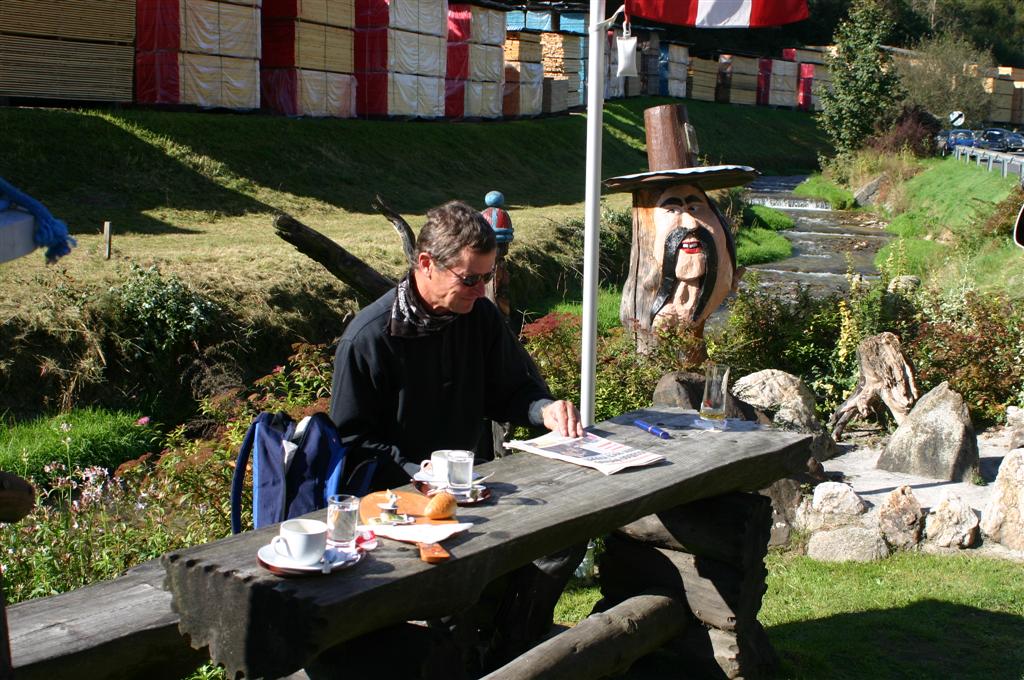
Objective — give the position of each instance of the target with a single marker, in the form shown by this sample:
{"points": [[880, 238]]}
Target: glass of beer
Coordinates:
{"points": [[712, 406]]}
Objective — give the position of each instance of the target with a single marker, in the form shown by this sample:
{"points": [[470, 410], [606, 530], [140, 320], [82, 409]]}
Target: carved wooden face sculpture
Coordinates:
{"points": [[695, 256]]}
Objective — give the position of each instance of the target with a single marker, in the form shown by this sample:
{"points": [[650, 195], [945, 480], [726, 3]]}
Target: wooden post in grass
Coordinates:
{"points": [[107, 232], [17, 498]]}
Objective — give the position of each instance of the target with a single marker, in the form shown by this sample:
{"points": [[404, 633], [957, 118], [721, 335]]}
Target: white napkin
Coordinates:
{"points": [[418, 533]]}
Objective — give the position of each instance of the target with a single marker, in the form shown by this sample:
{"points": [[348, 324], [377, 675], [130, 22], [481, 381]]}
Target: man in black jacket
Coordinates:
{"points": [[428, 364], [425, 368]]}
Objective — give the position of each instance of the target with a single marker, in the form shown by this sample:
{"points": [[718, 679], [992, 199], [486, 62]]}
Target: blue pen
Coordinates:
{"points": [[653, 429]]}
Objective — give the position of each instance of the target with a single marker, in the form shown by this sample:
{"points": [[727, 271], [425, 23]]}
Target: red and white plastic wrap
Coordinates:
{"points": [[205, 80], [200, 26], [480, 25], [400, 94], [429, 17], [328, 12], [473, 99], [288, 43], [301, 92], [396, 51]]}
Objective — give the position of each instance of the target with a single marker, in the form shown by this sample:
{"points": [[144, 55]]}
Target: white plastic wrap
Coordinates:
{"points": [[220, 28], [483, 100], [487, 26], [531, 74], [430, 97], [213, 81], [677, 88], [420, 16], [326, 94], [531, 98], [486, 62]]}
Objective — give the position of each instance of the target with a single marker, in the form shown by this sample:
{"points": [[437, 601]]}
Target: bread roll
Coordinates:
{"points": [[441, 506]]}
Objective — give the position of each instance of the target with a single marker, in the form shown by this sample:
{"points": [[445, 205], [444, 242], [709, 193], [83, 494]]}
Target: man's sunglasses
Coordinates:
{"points": [[467, 281]]}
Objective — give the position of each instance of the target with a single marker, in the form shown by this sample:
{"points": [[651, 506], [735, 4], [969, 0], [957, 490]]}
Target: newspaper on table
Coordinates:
{"points": [[589, 450]]}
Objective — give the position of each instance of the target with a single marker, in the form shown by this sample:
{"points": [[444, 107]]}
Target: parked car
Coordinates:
{"points": [[959, 138], [993, 139], [1015, 141]]}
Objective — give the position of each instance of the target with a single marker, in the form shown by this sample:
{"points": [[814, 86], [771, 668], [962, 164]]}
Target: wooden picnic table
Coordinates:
{"points": [[262, 625]]}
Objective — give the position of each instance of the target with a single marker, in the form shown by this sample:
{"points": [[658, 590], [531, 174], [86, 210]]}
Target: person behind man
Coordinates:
{"points": [[425, 366]]}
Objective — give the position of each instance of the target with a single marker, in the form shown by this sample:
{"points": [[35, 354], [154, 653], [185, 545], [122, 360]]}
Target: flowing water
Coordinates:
{"points": [[827, 244]]}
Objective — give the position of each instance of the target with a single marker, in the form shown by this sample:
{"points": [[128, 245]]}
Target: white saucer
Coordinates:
{"points": [[278, 564], [424, 476]]}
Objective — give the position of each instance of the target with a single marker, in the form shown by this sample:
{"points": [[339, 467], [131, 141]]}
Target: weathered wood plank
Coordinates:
{"points": [[121, 628], [258, 624], [603, 644]]}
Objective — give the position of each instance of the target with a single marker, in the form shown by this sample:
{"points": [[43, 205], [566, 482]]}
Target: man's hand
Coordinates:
{"points": [[563, 418]]}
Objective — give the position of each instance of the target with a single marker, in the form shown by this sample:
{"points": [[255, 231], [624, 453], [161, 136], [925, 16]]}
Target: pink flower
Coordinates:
{"points": [[144, 420], [278, 369]]}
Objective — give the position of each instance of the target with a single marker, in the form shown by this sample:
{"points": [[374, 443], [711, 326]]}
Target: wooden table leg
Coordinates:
{"points": [[711, 553]]}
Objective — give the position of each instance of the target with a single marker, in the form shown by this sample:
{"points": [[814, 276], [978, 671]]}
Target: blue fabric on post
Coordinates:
{"points": [[50, 233]]}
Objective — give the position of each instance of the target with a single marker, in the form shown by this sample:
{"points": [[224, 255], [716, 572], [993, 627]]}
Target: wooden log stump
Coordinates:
{"points": [[886, 376], [711, 554], [604, 644]]}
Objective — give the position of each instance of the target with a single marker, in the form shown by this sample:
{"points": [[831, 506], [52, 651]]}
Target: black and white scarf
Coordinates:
{"points": [[410, 318]]}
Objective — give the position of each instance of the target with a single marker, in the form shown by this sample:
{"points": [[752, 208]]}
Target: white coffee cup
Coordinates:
{"points": [[437, 466], [303, 541]]}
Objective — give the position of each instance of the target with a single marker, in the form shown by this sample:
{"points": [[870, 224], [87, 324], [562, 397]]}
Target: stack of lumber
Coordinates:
{"points": [[1015, 72], [1001, 89], [822, 81], [764, 80], [475, 71], [805, 55], [648, 65], [703, 79], [524, 89], [308, 57], [673, 66], [573, 22], [524, 75], [783, 83], [564, 56], [743, 82], [401, 57], [555, 96], [200, 52], [74, 49], [724, 78]]}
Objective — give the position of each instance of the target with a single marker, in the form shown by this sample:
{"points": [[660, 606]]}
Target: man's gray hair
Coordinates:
{"points": [[452, 227]]}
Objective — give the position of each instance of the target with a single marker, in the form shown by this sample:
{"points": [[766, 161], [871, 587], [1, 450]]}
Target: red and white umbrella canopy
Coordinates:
{"points": [[719, 13]]}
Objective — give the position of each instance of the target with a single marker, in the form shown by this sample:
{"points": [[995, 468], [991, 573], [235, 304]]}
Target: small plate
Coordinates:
{"points": [[282, 566], [425, 476], [483, 493]]}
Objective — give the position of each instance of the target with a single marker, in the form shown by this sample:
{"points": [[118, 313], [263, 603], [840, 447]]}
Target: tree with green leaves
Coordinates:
{"points": [[865, 86], [936, 79]]}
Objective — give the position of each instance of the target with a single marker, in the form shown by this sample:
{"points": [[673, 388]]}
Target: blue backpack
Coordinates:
{"points": [[295, 468]]}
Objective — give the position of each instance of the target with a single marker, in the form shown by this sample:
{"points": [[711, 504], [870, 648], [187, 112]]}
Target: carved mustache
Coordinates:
{"points": [[668, 268]]}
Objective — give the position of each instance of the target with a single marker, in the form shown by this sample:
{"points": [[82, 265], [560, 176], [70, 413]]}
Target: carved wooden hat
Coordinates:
{"points": [[672, 157]]}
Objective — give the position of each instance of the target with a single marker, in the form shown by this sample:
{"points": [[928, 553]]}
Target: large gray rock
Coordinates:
{"points": [[1003, 518], [900, 519], [1015, 425], [833, 505], [785, 495], [847, 544], [936, 440], [790, 404], [952, 524], [868, 194]]}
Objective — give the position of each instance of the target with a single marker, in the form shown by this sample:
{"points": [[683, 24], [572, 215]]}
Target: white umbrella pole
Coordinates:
{"points": [[592, 207]]}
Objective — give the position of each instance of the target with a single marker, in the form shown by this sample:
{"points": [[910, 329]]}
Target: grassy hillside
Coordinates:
{"points": [[194, 194]]}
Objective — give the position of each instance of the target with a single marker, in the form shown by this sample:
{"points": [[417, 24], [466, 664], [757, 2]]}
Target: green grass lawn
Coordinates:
{"points": [[909, 616]]}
